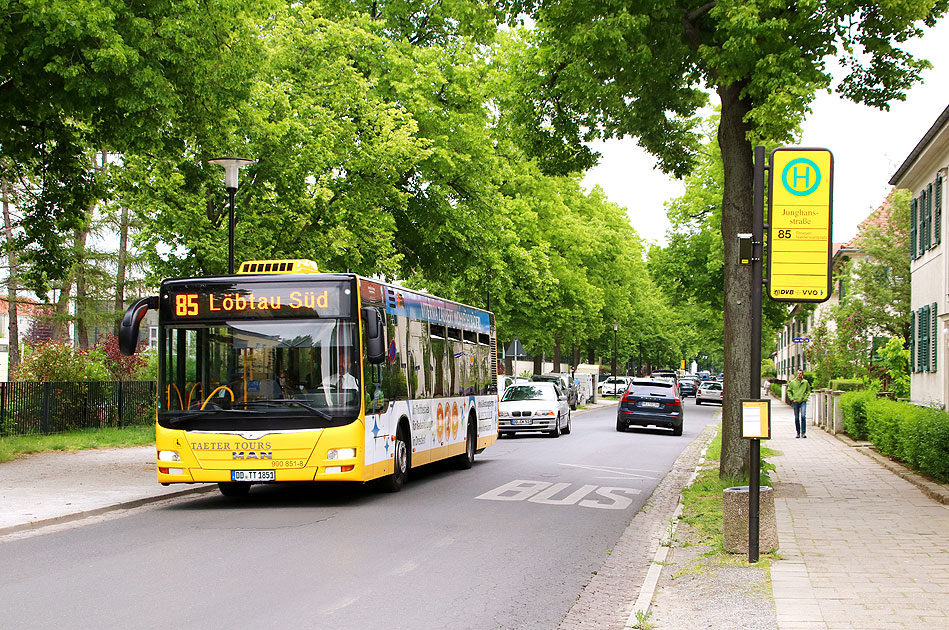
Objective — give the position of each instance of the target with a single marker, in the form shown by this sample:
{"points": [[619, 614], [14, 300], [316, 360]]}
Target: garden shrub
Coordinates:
{"points": [[884, 417], [853, 404], [918, 436], [775, 389], [846, 384]]}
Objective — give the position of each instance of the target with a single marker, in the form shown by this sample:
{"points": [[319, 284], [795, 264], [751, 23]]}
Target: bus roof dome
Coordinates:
{"points": [[298, 265]]}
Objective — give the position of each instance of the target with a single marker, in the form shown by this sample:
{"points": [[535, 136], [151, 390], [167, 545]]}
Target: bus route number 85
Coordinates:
{"points": [[784, 233]]}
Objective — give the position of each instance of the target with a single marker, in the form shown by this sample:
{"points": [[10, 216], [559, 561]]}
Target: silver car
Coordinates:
{"points": [[536, 406], [710, 391]]}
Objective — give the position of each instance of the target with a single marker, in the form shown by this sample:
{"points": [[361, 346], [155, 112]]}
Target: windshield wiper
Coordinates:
{"points": [[184, 416], [293, 401]]}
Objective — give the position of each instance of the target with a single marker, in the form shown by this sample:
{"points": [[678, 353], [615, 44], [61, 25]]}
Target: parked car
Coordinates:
{"points": [[710, 391], [535, 406], [614, 385], [651, 402], [566, 386], [688, 386]]}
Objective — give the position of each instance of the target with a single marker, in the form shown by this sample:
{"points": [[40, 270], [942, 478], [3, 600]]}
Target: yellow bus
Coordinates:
{"points": [[280, 373]]}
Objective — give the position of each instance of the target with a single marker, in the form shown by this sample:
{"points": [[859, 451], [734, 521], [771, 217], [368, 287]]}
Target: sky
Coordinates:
{"points": [[868, 146]]}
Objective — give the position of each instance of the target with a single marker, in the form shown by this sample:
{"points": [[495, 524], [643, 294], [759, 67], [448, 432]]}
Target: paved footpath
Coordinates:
{"points": [[860, 547]]}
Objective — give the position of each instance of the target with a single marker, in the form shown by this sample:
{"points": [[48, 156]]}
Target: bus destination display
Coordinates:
{"points": [[799, 229], [246, 300]]}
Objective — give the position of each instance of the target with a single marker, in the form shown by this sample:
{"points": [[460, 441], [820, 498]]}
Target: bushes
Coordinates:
{"points": [[853, 404], [846, 384], [918, 436]]}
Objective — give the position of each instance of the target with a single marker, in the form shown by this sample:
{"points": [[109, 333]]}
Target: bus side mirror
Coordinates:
{"points": [[128, 329], [372, 330]]}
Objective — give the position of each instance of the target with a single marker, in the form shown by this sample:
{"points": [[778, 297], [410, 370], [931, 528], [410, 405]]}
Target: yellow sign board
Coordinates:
{"points": [[799, 224], [756, 418]]}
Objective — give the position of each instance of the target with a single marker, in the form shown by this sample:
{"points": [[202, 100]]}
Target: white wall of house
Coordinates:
{"points": [[924, 173]]}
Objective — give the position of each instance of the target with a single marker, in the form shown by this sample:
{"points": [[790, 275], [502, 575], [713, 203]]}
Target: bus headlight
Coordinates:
{"points": [[341, 453], [169, 456]]}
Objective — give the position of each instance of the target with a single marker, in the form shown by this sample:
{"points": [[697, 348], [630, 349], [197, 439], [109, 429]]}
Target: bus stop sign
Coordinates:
{"points": [[799, 224]]}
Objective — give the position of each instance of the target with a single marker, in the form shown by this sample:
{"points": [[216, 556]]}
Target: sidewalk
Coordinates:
{"points": [[860, 546], [57, 487]]}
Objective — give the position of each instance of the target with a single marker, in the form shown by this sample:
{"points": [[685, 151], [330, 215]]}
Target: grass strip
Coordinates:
{"points": [[17, 446]]}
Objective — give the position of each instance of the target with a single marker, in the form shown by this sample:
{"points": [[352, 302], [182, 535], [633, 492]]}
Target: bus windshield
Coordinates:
{"points": [[247, 375]]}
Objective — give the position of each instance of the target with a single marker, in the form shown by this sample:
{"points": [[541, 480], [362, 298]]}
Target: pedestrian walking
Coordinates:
{"points": [[799, 390]]}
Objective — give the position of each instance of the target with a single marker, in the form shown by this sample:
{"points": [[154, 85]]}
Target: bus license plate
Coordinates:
{"points": [[253, 475]]}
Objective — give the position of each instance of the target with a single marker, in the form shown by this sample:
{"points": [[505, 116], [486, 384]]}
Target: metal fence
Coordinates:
{"points": [[33, 408]]}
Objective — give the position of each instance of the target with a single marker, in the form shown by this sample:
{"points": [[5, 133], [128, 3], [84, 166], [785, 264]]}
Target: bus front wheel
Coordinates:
{"points": [[234, 488], [401, 463]]}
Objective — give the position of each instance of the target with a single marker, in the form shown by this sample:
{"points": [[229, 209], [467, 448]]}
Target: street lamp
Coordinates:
{"points": [[231, 166], [615, 328]]}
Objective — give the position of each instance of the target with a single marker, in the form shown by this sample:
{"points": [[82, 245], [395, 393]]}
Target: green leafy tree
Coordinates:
{"points": [[878, 286], [641, 69], [78, 76]]}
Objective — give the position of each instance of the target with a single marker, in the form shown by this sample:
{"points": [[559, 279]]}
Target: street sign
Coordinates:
{"points": [[801, 340], [799, 225]]}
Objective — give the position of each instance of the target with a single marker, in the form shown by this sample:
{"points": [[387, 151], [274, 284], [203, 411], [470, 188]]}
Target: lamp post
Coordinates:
{"points": [[615, 328], [231, 166]]}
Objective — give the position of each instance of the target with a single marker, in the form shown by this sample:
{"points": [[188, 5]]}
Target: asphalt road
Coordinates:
{"points": [[508, 544]]}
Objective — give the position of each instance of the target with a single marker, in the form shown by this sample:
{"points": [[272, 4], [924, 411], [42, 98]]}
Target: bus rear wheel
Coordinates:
{"points": [[234, 488], [466, 459], [401, 463]]}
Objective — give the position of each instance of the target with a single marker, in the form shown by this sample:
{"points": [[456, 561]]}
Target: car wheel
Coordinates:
{"points": [[677, 430], [566, 429], [620, 426], [698, 401], [556, 432]]}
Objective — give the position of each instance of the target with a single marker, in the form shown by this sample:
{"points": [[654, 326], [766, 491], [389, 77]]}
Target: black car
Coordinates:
{"points": [[650, 402], [688, 386]]}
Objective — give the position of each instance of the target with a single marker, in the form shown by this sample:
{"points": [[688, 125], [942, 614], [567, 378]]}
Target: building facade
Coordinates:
{"points": [[924, 174]]}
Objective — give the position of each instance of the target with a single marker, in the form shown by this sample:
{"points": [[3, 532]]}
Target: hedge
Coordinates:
{"points": [[846, 384], [853, 404], [918, 436], [775, 389]]}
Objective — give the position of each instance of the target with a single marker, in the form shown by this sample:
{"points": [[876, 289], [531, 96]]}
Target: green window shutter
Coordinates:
{"points": [[937, 216], [912, 341], [934, 336], [922, 331], [912, 228], [921, 228], [929, 216]]}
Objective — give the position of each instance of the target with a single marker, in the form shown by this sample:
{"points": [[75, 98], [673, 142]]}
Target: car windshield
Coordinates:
{"points": [[528, 392], [291, 373]]}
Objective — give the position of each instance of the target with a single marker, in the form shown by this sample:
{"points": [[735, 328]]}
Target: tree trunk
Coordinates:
{"points": [[556, 368], [82, 299], [120, 263], [737, 211], [13, 326]]}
